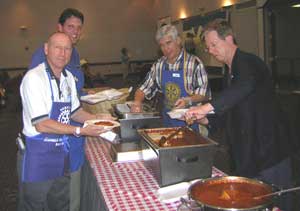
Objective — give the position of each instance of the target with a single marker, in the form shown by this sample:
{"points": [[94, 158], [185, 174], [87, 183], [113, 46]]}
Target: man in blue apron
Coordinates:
{"points": [[180, 76], [49, 100], [70, 22]]}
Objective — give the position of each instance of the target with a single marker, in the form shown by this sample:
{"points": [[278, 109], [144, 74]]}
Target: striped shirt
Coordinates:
{"points": [[196, 76]]}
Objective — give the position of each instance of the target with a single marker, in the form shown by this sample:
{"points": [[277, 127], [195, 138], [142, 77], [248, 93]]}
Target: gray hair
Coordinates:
{"points": [[166, 30]]}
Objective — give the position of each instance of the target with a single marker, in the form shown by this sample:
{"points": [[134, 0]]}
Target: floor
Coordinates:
{"points": [[10, 126]]}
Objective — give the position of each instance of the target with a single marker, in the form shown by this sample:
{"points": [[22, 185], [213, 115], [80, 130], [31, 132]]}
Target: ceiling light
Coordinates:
{"points": [[294, 3]]}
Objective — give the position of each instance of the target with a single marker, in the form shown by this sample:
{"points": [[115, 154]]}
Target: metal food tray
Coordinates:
{"points": [[123, 110], [171, 165], [153, 135]]}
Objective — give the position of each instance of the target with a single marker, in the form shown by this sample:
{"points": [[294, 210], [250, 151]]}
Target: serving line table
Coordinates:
{"points": [[125, 186]]}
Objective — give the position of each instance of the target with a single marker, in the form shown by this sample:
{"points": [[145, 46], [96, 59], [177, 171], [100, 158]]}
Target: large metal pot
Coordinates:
{"points": [[230, 194]]}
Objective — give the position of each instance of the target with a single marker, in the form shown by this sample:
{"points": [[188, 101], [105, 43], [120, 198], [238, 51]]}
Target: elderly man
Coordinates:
{"points": [[255, 131], [70, 22], [49, 100], [180, 76]]}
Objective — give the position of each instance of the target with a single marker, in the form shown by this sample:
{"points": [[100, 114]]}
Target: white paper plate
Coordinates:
{"points": [[95, 121], [92, 99], [177, 113], [111, 94]]}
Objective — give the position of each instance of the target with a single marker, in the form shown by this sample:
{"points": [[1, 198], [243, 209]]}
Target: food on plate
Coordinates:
{"points": [[104, 123]]}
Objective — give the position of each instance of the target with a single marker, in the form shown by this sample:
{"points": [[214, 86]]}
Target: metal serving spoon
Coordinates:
{"points": [[163, 140], [277, 193]]}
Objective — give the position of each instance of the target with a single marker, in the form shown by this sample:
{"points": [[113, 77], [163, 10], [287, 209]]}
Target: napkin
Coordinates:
{"points": [[110, 136], [177, 113], [173, 193]]}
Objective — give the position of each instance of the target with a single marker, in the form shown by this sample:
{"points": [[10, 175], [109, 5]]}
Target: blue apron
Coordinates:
{"points": [[76, 149], [173, 87], [47, 155], [76, 143]]}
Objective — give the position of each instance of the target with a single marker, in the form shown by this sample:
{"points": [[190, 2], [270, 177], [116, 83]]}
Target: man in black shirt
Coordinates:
{"points": [[257, 134]]}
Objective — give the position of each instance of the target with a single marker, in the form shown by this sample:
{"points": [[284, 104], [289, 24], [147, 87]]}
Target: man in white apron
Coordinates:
{"points": [[49, 100]]}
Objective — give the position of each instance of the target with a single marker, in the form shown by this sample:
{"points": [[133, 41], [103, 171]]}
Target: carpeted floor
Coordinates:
{"points": [[10, 125]]}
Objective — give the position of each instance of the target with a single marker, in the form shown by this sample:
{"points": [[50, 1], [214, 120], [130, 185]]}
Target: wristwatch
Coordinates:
{"points": [[77, 132]]}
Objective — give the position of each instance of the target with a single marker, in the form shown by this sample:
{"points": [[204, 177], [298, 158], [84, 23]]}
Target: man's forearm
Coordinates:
{"points": [[54, 127], [139, 96], [81, 116], [198, 98]]}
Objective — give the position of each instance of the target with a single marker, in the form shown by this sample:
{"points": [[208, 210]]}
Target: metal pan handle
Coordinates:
{"points": [[188, 205], [187, 159]]}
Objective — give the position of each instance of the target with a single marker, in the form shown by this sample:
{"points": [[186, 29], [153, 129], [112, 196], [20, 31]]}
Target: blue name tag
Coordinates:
{"points": [[176, 75]]}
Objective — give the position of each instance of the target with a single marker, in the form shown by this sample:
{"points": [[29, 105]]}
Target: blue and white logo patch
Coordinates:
{"points": [[64, 116]]}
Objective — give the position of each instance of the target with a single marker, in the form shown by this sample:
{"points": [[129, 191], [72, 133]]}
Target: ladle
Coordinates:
{"points": [[164, 139], [277, 193]]}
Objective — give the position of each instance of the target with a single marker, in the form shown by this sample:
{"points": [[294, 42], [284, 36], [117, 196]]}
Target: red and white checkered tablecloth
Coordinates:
{"points": [[126, 186]]}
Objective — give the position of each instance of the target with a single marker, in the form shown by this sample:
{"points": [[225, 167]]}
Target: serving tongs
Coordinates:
{"points": [[164, 140]]}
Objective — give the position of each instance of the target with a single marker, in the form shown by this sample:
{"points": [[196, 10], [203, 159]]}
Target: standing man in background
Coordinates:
{"points": [[70, 22], [180, 76], [125, 61]]}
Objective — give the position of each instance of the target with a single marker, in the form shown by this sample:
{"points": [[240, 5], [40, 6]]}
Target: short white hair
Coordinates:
{"points": [[166, 30]]}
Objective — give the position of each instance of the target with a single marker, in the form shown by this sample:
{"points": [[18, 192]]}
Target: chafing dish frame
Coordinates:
{"points": [[171, 165]]}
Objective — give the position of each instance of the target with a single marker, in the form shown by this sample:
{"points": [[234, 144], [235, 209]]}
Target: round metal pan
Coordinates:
{"points": [[231, 193]]}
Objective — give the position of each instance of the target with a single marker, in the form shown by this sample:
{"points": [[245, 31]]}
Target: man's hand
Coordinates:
{"points": [[92, 130], [199, 112], [180, 103], [196, 112], [136, 107], [203, 121]]}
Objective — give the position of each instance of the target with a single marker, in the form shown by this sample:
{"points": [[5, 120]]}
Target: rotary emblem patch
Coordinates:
{"points": [[172, 94], [64, 116]]}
